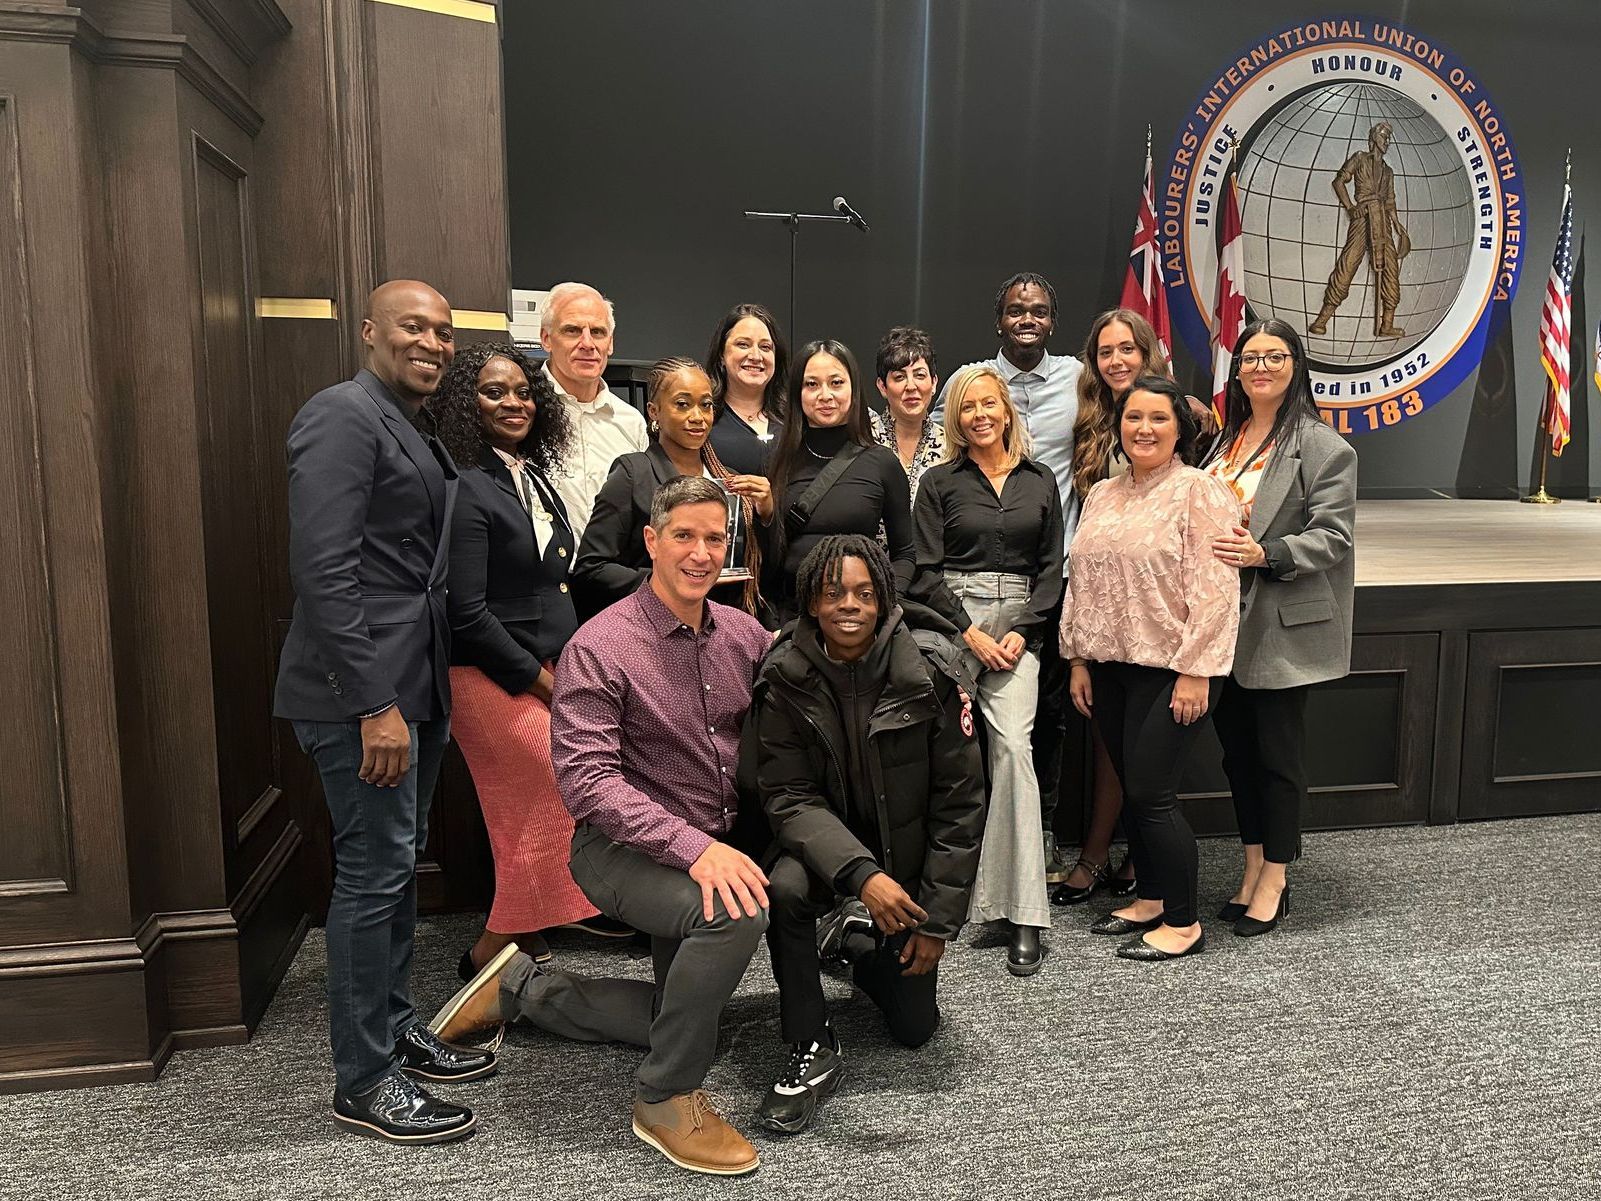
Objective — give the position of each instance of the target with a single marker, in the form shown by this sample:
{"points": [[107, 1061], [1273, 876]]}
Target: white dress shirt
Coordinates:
{"points": [[604, 429]]}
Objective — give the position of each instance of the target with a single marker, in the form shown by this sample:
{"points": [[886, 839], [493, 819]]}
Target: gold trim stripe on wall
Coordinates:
{"points": [[310, 307], [478, 318], [472, 10]]}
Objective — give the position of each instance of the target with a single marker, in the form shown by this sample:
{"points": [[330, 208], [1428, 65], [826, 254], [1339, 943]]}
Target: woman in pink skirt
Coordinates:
{"points": [[510, 616]]}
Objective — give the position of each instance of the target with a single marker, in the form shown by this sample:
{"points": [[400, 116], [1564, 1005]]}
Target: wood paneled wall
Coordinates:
{"points": [[169, 164]]}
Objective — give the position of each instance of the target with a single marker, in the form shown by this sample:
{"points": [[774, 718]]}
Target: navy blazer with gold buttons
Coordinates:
{"points": [[370, 508]]}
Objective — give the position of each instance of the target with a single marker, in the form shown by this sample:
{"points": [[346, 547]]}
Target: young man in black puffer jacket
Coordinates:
{"points": [[862, 739]]}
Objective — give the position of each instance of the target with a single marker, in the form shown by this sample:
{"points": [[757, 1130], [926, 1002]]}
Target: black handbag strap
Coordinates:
{"points": [[799, 515]]}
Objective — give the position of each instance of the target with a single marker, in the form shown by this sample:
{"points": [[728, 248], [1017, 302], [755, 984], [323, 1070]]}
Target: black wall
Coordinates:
{"points": [[978, 139]]}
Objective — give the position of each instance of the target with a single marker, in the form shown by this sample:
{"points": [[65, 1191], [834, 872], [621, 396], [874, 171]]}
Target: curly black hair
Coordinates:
{"points": [[454, 408], [1024, 277], [825, 561]]}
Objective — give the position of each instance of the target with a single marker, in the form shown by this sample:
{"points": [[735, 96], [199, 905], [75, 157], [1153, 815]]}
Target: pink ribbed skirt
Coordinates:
{"points": [[506, 742]]}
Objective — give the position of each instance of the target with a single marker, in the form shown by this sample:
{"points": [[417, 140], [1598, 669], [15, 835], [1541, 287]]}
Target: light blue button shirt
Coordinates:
{"points": [[1046, 398]]}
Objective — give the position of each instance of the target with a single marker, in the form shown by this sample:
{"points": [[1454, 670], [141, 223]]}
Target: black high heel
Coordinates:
{"points": [[1232, 912], [1250, 927], [1118, 886]]}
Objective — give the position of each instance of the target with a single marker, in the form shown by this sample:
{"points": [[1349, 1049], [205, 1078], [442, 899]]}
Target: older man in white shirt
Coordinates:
{"points": [[577, 333]]}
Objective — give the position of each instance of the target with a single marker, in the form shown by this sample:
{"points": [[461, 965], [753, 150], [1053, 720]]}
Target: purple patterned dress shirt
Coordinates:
{"points": [[645, 723]]}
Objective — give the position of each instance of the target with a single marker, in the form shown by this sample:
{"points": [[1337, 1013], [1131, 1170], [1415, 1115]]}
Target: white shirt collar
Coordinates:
{"points": [[602, 402]]}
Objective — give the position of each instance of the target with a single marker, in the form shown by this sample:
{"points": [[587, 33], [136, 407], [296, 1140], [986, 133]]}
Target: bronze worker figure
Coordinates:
{"points": [[1373, 222]]}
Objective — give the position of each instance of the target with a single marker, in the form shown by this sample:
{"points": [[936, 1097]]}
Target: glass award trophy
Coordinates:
{"points": [[734, 569]]}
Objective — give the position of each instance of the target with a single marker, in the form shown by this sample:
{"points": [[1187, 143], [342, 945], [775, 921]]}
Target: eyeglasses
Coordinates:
{"points": [[1272, 360]]}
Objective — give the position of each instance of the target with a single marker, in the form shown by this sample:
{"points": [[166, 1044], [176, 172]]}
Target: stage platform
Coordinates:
{"points": [[1475, 689]]}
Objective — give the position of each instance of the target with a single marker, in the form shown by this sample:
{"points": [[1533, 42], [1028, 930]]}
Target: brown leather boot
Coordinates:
{"points": [[1320, 323], [693, 1135], [476, 1007]]}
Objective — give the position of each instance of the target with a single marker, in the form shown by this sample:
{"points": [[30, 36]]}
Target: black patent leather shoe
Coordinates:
{"points": [[399, 1110], [1024, 954], [423, 1054], [1067, 894], [1138, 948], [1119, 926], [1119, 885]]}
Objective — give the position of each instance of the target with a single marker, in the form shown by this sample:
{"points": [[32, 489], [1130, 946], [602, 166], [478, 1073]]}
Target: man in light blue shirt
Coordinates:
{"points": [[1044, 391]]}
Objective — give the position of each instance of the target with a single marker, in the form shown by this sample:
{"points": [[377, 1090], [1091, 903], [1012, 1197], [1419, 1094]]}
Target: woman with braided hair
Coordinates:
{"points": [[510, 616], [612, 560]]}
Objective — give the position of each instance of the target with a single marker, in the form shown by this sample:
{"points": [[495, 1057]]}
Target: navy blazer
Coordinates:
{"points": [[510, 609], [370, 506]]}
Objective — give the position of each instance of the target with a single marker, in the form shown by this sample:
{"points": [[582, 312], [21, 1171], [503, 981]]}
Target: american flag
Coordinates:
{"points": [[1556, 316], [1143, 288], [1228, 310]]}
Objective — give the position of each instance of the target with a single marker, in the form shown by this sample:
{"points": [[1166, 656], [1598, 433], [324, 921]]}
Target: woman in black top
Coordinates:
{"points": [[612, 560], [510, 616], [989, 538], [748, 364], [828, 436]]}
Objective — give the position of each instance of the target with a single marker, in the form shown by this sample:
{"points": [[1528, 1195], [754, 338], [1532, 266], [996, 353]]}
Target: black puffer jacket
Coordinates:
{"points": [[927, 777]]}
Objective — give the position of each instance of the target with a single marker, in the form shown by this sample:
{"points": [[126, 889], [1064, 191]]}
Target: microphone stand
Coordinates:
{"points": [[793, 220]]}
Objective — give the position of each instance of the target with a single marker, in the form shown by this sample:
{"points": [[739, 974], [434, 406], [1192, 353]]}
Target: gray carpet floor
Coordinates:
{"points": [[1423, 1025]]}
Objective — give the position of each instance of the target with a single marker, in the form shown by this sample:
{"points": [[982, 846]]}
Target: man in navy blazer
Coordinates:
{"points": [[364, 677]]}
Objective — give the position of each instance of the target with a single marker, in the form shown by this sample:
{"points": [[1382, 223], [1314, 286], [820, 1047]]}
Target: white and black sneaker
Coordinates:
{"points": [[847, 917], [813, 1073]]}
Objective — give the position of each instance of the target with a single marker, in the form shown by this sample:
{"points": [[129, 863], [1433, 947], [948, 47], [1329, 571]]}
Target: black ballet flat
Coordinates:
{"points": [[1138, 948], [1120, 887], [1250, 927], [1232, 912], [1114, 925]]}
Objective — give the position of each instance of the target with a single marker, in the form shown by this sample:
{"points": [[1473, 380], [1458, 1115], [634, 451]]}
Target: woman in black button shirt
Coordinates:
{"points": [[612, 560], [828, 422], [989, 530], [748, 364]]}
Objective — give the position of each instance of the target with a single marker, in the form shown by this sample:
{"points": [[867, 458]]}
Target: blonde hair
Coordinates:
{"points": [[1015, 441]]}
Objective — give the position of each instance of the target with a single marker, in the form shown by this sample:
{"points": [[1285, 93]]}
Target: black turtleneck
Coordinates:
{"points": [[872, 490]]}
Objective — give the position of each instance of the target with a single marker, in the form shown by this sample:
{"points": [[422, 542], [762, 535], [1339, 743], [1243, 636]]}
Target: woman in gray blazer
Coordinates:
{"points": [[1296, 480]]}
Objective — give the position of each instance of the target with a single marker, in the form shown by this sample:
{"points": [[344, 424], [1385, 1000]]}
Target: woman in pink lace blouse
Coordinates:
{"points": [[1148, 624]]}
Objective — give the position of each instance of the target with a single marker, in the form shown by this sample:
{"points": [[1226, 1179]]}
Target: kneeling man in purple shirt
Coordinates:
{"points": [[644, 729]]}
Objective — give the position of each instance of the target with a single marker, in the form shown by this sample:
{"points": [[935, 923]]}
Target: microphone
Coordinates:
{"points": [[844, 209]]}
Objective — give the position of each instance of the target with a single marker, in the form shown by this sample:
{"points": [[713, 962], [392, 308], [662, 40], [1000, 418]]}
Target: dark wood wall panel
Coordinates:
{"points": [[1529, 741], [444, 198], [36, 856], [1370, 743]]}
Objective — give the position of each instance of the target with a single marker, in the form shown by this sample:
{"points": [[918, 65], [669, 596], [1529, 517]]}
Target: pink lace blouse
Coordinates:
{"points": [[1143, 584]]}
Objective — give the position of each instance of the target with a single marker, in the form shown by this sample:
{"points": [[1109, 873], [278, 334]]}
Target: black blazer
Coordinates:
{"points": [[370, 507], [510, 609], [612, 561]]}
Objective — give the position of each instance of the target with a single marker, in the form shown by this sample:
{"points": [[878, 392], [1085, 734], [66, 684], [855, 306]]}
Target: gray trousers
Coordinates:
{"points": [[698, 965], [1010, 885]]}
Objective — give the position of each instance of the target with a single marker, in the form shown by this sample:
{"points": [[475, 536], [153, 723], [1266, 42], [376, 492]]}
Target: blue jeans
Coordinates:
{"points": [[372, 915]]}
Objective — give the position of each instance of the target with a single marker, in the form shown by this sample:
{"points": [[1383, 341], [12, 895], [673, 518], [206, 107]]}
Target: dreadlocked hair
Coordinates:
{"points": [[660, 372], [1024, 277], [824, 563], [458, 425]]}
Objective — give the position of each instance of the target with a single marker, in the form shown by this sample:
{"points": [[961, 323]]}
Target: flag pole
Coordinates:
{"points": [[1540, 496]]}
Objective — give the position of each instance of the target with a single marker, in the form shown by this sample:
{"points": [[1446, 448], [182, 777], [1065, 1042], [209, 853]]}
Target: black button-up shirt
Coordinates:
{"points": [[962, 525]]}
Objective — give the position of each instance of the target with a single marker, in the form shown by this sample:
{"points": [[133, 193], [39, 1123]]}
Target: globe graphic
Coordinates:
{"points": [[1294, 226]]}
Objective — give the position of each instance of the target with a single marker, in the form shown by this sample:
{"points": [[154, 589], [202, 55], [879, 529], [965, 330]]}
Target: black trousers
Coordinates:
{"points": [[796, 899], [1148, 750], [1051, 720], [1263, 732]]}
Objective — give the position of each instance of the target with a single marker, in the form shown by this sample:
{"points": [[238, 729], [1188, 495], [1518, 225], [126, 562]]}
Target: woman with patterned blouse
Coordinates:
{"points": [[908, 378], [1148, 625]]}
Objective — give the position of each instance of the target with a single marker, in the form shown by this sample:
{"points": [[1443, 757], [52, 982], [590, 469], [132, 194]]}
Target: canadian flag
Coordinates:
{"points": [[1144, 290], [1228, 309]]}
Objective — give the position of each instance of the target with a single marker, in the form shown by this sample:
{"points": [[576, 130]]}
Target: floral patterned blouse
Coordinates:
{"points": [[930, 450], [1242, 477], [1143, 584]]}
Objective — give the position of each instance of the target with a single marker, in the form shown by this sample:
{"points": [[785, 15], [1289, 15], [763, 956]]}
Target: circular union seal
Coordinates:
{"points": [[1381, 207]]}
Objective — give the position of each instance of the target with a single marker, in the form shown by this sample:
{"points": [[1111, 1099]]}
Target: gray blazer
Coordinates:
{"points": [[1295, 614]]}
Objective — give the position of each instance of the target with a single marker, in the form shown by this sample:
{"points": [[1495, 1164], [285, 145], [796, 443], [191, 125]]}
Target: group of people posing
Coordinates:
{"points": [[764, 661]]}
